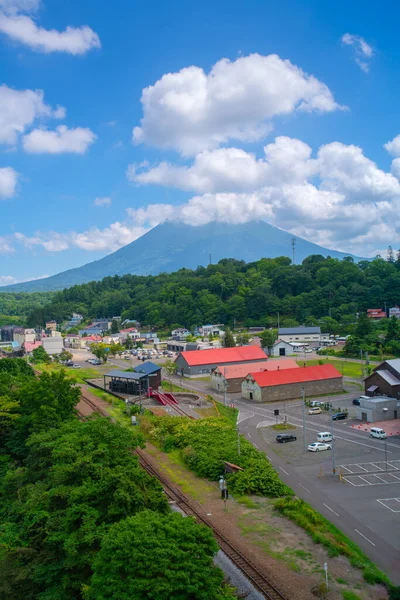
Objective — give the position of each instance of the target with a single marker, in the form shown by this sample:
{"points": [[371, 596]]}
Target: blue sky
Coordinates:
{"points": [[300, 144]]}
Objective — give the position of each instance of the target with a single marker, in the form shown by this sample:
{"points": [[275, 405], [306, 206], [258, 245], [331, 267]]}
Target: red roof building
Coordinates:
{"points": [[232, 376], [198, 362], [376, 314], [284, 384]]}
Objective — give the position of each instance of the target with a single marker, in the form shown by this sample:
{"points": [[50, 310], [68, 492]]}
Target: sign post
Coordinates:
{"points": [[326, 575]]}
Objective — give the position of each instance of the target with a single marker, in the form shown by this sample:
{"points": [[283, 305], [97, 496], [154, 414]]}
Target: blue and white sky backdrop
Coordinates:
{"points": [[116, 116]]}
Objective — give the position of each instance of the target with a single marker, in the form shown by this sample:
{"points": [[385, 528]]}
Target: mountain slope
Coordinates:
{"points": [[171, 246]]}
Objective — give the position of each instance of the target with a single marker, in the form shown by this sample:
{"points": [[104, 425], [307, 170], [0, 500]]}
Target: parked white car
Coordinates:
{"points": [[318, 446]]}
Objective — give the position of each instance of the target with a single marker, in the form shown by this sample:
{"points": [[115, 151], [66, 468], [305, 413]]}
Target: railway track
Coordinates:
{"points": [[248, 568]]}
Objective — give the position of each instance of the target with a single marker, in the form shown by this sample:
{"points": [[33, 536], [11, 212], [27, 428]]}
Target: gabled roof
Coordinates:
{"points": [[125, 374], [147, 368], [237, 371], [388, 377], [395, 364], [301, 375], [216, 356], [298, 330]]}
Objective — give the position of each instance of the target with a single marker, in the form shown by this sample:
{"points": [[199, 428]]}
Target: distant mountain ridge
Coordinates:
{"points": [[171, 246]]}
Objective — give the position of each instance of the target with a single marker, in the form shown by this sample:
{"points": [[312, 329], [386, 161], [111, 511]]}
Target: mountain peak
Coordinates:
{"points": [[172, 245]]}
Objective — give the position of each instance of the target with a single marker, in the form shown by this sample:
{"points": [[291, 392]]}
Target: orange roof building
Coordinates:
{"points": [[285, 384]]}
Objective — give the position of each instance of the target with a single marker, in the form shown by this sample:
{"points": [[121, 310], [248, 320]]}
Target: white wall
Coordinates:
{"points": [[53, 345]]}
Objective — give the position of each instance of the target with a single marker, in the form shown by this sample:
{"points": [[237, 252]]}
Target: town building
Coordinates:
{"points": [[95, 329], [74, 321], [126, 382], [376, 314], [394, 312], [51, 326], [152, 372], [231, 376], [180, 332], [384, 380], [72, 340], [308, 335], [7, 333], [381, 408], [198, 362], [285, 384], [30, 335], [206, 330], [29, 346], [19, 335], [281, 348], [53, 345]]}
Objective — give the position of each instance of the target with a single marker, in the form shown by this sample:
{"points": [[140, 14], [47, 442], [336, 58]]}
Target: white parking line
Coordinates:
{"points": [[284, 471], [396, 476], [361, 477], [331, 509], [304, 488], [365, 538], [376, 466], [361, 467], [384, 500], [377, 476]]}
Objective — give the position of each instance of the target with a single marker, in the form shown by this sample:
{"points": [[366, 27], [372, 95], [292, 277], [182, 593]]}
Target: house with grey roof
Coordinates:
{"points": [[306, 335], [384, 380]]}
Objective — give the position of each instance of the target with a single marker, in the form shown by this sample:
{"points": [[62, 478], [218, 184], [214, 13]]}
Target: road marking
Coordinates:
{"points": [[268, 458], [366, 480], [284, 471], [249, 435], [376, 466], [377, 476], [254, 444], [304, 488], [239, 420], [361, 467], [365, 538], [389, 500], [331, 509]]}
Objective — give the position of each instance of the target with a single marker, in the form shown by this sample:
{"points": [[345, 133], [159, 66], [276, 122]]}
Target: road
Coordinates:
{"points": [[365, 506]]}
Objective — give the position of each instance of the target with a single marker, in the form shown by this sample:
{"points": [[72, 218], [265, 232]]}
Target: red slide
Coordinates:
{"points": [[170, 397]]}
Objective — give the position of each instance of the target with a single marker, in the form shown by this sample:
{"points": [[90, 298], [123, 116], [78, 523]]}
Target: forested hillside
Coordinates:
{"points": [[251, 293], [14, 308]]}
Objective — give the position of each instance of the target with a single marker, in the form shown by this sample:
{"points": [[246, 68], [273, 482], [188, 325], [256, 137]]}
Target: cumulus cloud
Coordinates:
{"points": [[5, 245], [62, 140], [192, 111], [19, 109], [104, 201], [393, 147], [10, 279], [233, 169], [21, 27], [363, 52], [8, 182]]}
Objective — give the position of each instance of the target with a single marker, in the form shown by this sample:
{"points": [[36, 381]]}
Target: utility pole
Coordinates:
{"points": [[225, 386], [209, 258], [238, 434], [304, 418], [333, 444], [278, 320], [293, 249]]}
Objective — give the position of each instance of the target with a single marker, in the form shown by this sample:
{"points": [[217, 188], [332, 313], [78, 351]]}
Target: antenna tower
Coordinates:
{"points": [[293, 249]]}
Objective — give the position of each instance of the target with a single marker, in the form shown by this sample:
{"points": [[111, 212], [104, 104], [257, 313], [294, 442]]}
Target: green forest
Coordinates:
{"points": [[80, 519], [321, 290], [15, 307]]}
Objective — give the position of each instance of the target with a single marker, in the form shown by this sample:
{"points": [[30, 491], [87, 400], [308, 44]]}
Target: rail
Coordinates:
{"points": [[248, 568]]}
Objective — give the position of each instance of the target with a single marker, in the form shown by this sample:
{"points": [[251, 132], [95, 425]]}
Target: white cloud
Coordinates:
{"points": [[8, 182], [7, 280], [363, 52], [192, 111], [104, 201], [60, 141], [23, 29], [5, 246], [393, 147], [19, 109], [233, 169]]}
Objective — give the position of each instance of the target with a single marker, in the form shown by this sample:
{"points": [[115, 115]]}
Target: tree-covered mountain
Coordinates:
{"points": [[171, 246], [249, 293]]}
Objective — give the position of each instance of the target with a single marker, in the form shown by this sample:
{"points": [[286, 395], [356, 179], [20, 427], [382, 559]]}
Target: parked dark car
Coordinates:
{"points": [[285, 437], [70, 363], [339, 416], [356, 401]]}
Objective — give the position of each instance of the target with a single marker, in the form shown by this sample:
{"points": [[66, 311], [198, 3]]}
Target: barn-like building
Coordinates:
{"points": [[231, 376], [199, 362]]}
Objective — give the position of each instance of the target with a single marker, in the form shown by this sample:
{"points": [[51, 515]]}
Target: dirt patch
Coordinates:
{"points": [[278, 546]]}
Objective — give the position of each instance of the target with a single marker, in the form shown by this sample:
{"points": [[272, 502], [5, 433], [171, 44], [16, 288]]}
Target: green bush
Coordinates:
{"points": [[207, 443], [348, 595]]}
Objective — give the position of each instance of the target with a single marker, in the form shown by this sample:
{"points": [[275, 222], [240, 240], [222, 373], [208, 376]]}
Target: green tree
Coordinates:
{"points": [[8, 410], [65, 356], [243, 339], [268, 337], [364, 326], [114, 326], [100, 350], [39, 355], [393, 332], [135, 560], [228, 341]]}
